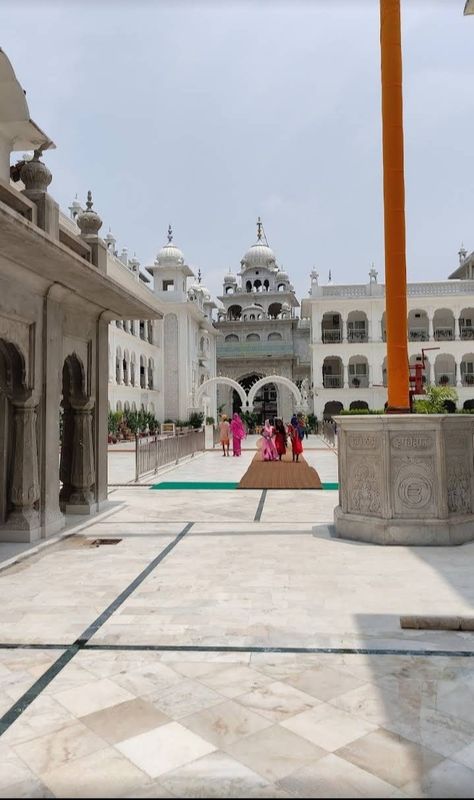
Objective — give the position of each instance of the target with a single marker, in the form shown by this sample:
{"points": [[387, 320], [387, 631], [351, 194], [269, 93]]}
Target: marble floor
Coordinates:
{"points": [[229, 646]]}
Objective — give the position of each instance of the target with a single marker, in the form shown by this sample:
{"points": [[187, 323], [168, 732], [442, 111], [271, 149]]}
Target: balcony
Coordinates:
{"points": [[445, 379], [468, 379], [444, 334], [332, 336], [418, 335], [255, 350], [467, 332], [333, 381], [358, 335]]}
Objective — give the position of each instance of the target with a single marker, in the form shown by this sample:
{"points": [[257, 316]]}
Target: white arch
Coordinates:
{"points": [[228, 382], [275, 379]]}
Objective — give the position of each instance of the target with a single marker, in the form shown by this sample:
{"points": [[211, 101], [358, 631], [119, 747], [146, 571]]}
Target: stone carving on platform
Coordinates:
{"points": [[363, 441], [413, 484], [365, 493], [459, 487], [412, 441]]}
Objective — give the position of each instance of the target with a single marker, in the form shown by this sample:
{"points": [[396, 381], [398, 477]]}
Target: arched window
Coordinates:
{"points": [[248, 286], [142, 372], [142, 329], [282, 287], [231, 337], [274, 337], [150, 373], [150, 331], [229, 290], [253, 337]]}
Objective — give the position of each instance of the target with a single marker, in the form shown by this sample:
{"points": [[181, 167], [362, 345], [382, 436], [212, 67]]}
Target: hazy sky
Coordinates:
{"points": [[206, 115]]}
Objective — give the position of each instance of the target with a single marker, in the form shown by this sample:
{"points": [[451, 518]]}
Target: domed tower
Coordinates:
{"points": [[170, 272]]}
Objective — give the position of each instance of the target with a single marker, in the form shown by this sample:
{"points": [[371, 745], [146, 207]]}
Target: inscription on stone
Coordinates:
{"points": [[363, 441], [412, 441]]}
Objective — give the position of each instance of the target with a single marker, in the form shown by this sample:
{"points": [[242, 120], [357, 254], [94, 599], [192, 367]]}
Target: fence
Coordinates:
{"points": [[151, 454], [327, 429]]}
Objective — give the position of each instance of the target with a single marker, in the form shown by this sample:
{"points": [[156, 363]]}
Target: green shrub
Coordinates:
{"points": [[196, 419], [435, 400], [210, 420]]}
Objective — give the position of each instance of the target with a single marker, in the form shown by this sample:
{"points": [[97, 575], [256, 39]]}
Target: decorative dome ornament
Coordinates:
{"points": [[169, 255], [35, 175], [89, 221]]}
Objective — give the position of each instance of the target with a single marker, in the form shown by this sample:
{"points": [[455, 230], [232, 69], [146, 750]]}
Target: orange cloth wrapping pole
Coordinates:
{"points": [[394, 207]]}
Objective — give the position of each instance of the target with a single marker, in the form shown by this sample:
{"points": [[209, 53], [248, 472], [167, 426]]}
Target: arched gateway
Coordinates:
{"points": [[278, 379], [228, 382]]}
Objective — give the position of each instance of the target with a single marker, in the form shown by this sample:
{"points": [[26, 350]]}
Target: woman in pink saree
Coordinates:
{"points": [[238, 433], [269, 452]]}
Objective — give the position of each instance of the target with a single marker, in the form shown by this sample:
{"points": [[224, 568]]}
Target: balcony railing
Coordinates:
{"points": [[359, 335], [254, 349], [418, 334], [358, 381], [445, 379], [467, 332], [331, 336], [443, 334], [467, 379], [333, 381]]}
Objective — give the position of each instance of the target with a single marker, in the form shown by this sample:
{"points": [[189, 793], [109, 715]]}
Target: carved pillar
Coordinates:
{"points": [[430, 326], [345, 372], [65, 462], [25, 488], [343, 329], [81, 499], [458, 372]]}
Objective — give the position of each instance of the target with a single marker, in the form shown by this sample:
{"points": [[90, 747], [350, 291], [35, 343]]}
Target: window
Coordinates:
{"points": [[168, 286], [232, 337], [253, 337], [358, 369]]}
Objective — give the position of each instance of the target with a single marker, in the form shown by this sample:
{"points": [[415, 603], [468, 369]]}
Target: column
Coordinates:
{"points": [[430, 326], [343, 329], [24, 520], [52, 519], [81, 500], [458, 372], [101, 411], [120, 368], [345, 372]]}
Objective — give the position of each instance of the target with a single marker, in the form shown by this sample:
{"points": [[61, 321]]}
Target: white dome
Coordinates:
{"points": [[285, 307], [169, 255], [259, 255], [230, 278], [282, 275]]}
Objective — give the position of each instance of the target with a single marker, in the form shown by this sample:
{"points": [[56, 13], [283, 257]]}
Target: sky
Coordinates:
{"points": [[205, 115]]}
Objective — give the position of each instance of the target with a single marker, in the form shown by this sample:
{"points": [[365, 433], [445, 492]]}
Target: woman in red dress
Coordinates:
{"points": [[296, 443], [280, 438]]}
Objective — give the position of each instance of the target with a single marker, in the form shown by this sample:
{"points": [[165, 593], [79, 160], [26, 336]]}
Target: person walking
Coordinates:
{"points": [[269, 452], [295, 439], [238, 433], [280, 438], [224, 433]]}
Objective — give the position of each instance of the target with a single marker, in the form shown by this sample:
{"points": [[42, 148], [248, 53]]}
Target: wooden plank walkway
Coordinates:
{"points": [[282, 474]]}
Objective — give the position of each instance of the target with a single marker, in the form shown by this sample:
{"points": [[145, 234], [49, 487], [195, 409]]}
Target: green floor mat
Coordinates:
{"points": [[192, 485], [330, 486]]}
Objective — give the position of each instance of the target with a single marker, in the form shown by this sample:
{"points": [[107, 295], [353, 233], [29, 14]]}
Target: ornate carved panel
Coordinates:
{"points": [[364, 494], [413, 489], [458, 485]]}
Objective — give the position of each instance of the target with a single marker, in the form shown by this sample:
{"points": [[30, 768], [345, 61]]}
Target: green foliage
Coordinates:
{"points": [[115, 418], [250, 419], [196, 418], [210, 420], [435, 400], [312, 422], [351, 411]]}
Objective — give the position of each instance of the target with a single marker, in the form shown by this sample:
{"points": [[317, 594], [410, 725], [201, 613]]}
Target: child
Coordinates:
{"points": [[224, 432], [296, 443], [280, 438]]}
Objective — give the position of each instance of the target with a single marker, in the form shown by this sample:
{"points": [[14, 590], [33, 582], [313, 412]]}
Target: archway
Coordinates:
{"points": [[279, 380], [332, 407], [12, 390], [227, 382]]}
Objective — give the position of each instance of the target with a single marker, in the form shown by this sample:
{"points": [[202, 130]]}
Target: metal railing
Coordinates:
{"points": [[418, 335], [445, 379], [327, 429], [443, 334], [333, 381], [467, 332], [357, 335], [155, 452], [330, 336]]}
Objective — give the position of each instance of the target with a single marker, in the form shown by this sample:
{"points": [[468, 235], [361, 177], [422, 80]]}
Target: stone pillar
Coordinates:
{"points": [[343, 329], [101, 412], [24, 521], [345, 373], [81, 499], [458, 372], [430, 327], [51, 472]]}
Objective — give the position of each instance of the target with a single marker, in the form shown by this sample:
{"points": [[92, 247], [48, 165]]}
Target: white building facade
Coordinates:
{"points": [[348, 338], [260, 334]]}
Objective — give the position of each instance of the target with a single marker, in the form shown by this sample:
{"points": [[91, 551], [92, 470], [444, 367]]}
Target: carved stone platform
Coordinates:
{"points": [[406, 479]]}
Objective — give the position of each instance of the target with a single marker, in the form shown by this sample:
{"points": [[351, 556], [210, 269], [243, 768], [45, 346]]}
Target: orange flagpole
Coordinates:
{"points": [[394, 208]]}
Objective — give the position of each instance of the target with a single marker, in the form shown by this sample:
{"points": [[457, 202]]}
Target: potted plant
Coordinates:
{"points": [[210, 420]]}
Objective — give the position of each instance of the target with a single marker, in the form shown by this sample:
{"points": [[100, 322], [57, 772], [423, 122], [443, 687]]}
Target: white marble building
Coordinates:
{"points": [[348, 337], [259, 332]]}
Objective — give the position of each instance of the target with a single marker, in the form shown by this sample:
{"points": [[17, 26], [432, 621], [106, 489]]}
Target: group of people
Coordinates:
{"points": [[235, 429], [275, 438], [274, 441]]}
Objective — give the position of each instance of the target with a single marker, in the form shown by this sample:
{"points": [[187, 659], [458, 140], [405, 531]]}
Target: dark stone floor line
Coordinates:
{"points": [[63, 660]]}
